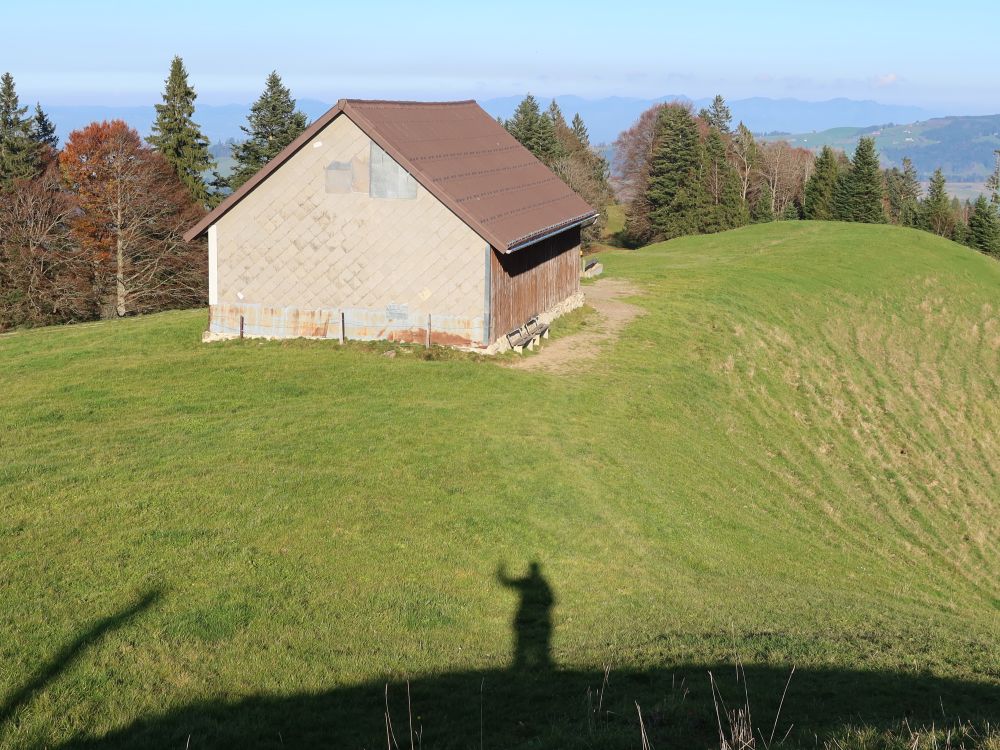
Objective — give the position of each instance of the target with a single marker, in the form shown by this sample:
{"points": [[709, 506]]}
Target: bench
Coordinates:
{"points": [[527, 335], [520, 339], [535, 328]]}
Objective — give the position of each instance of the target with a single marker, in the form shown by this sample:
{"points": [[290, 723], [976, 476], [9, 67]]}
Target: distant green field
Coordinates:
{"points": [[790, 460], [962, 147]]}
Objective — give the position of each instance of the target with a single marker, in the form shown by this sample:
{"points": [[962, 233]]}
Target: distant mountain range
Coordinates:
{"points": [[605, 118], [962, 147], [218, 122]]}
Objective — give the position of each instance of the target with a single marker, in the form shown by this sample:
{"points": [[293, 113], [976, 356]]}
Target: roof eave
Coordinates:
{"points": [[585, 220]]}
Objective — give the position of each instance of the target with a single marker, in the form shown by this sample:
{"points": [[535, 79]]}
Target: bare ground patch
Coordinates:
{"points": [[567, 354]]}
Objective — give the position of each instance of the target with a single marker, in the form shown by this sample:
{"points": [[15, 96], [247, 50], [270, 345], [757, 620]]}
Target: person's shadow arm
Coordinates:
{"points": [[502, 578]]}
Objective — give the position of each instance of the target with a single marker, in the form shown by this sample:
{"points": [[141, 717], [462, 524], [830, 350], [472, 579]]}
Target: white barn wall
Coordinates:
{"points": [[290, 257]]}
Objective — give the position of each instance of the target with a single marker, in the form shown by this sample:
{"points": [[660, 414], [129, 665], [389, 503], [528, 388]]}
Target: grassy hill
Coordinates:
{"points": [[791, 459]]}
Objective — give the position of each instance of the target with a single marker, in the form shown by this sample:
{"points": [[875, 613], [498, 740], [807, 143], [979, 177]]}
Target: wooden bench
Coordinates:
{"points": [[520, 339], [527, 335], [535, 328]]}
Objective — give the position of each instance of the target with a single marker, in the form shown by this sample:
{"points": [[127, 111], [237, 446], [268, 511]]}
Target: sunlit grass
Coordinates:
{"points": [[793, 455]]}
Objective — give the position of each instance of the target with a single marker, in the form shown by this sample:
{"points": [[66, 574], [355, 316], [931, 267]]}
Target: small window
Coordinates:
{"points": [[339, 177], [388, 179]]}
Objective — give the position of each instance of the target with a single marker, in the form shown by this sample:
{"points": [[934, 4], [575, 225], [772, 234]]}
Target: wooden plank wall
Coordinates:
{"points": [[529, 281]]}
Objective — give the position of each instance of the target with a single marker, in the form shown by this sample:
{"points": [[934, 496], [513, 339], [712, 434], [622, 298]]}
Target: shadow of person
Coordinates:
{"points": [[533, 620]]}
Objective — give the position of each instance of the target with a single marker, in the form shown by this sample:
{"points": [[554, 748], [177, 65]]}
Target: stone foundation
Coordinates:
{"points": [[567, 305]]}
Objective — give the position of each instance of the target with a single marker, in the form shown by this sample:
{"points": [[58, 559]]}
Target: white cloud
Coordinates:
{"points": [[885, 80]]}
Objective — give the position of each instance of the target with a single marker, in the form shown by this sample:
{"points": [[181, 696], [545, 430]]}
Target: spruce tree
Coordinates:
{"points": [[42, 129], [272, 124], [673, 191], [718, 115], [791, 212], [762, 212], [534, 130], [19, 154], [556, 115], [984, 226], [993, 183], [859, 192], [902, 192], [580, 131], [724, 207], [821, 187], [178, 137], [936, 213]]}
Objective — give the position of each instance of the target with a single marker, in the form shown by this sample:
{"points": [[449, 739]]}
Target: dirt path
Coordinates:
{"points": [[565, 355]]}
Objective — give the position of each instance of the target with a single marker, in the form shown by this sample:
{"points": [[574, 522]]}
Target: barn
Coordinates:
{"points": [[406, 221]]}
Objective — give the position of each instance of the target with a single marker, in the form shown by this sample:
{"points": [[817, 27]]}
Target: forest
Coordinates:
{"points": [[92, 227]]}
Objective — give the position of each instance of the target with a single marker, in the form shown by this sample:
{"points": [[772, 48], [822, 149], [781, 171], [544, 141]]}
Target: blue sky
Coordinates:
{"points": [[888, 50]]}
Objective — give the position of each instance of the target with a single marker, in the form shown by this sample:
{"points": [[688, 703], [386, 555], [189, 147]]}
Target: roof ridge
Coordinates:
{"points": [[462, 174], [408, 102]]}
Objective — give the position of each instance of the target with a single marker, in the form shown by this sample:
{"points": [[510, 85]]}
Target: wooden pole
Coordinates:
{"points": [[342, 328], [241, 326]]}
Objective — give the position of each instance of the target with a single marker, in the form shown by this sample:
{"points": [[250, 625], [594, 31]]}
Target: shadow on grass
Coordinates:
{"points": [[534, 704], [559, 709], [72, 651]]}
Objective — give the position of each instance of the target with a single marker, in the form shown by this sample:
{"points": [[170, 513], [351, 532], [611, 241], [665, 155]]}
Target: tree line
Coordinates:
{"points": [[564, 148], [683, 173], [94, 229]]}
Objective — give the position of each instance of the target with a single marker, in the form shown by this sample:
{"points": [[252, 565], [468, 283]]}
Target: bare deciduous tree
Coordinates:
{"points": [[133, 210], [43, 276]]}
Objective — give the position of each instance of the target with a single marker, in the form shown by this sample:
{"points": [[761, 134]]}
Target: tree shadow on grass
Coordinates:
{"points": [[72, 651], [534, 704], [564, 709]]}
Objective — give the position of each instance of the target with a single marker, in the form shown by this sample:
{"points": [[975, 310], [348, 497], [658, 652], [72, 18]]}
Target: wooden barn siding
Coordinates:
{"points": [[530, 281]]}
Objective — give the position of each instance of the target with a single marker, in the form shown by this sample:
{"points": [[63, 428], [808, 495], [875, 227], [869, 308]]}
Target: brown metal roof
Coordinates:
{"points": [[463, 157]]}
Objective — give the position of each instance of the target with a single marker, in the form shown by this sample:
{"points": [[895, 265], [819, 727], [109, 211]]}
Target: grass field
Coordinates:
{"points": [[791, 459]]}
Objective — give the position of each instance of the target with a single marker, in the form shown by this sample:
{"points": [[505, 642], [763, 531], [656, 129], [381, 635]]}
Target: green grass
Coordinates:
{"points": [[792, 459], [616, 221]]}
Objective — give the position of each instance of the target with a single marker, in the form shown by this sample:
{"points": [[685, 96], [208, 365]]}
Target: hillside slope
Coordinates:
{"points": [[962, 147], [791, 459]]}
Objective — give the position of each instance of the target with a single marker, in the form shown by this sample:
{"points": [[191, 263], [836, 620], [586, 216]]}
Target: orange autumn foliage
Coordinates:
{"points": [[132, 212]]}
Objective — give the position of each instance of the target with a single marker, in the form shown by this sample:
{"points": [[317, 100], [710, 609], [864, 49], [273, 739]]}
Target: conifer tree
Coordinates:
{"points": [[178, 137], [859, 192], [580, 131], [42, 129], [984, 226], [762, 212], [272, 124], [821, 187], [993, 183], [19, 155], [724, 206], [902, 192], [534, 130], [936, 213], [791, 212], [718, 115], [673, 191], [556, 115]]}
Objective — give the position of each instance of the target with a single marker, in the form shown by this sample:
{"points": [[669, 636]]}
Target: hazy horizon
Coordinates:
{"points": [[897, 55]]}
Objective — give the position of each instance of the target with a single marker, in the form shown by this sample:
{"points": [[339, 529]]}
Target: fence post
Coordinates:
{"points": [[341, 327], [241, 326]]}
